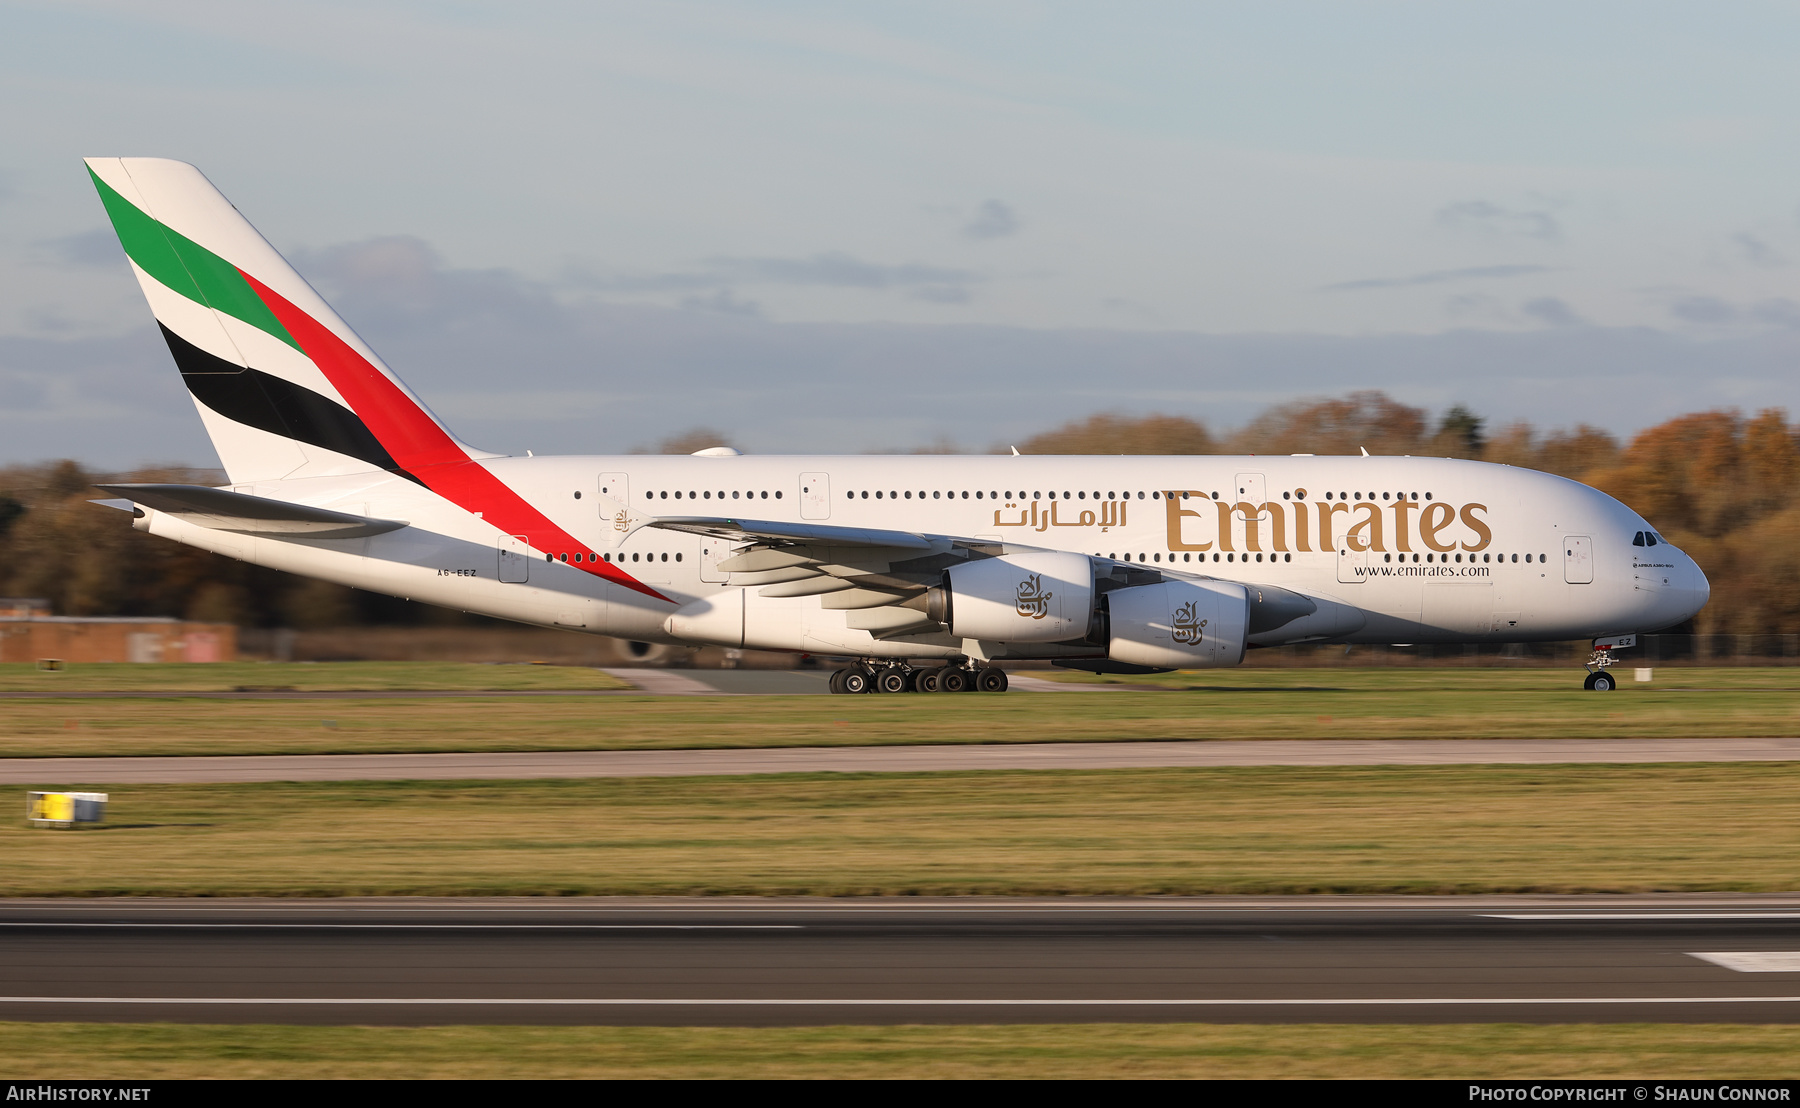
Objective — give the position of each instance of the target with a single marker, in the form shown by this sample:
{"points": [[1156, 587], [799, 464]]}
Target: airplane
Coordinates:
{"points": [[930, 572]]}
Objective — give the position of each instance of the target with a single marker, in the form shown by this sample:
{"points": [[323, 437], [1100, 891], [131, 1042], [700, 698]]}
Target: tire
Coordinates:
{"points": [[991, 680], [1602, 682], [927, 680], [892, 680], [953, 679], [857, 681], [836, 684]]}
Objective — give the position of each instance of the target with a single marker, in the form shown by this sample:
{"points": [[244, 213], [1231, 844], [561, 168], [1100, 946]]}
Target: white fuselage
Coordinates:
{"points": [[1429, 550]]}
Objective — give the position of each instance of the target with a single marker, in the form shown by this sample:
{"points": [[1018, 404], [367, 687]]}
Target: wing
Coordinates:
{"points": [[878, 578], [881, 578]]}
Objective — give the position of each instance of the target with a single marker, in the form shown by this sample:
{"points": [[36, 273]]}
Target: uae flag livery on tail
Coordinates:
{"points": [[286, 389]]}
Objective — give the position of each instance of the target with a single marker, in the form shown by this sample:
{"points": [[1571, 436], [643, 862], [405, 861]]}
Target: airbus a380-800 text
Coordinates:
{"points": [[930, 572]]}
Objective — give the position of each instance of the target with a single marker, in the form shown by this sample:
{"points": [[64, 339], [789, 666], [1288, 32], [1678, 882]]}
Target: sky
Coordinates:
{"points": [[582, 227]]}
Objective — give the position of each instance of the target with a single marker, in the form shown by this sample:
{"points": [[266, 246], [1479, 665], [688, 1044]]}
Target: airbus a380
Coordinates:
{"points": [[930, 571]]}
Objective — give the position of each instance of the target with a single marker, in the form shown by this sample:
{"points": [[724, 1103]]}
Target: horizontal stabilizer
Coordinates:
{"points": [[223, 510]]}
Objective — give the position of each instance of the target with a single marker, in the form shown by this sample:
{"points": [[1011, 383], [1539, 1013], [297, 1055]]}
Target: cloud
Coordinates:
{"points": [[724, 300], [1552, 312], [1757, 252], [833, 269], [1490, 218], [513, 364], [839, 270], [1708, 311], [993, 219], [99, 246], [1781, 312], [1437, 277]]}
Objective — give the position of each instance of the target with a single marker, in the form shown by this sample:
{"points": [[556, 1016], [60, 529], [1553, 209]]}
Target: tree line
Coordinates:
{"points": [[1721, 485]]}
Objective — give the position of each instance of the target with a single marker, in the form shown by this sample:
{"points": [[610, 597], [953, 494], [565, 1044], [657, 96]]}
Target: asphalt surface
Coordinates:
{"points": [[884, 961], [502, 765]]}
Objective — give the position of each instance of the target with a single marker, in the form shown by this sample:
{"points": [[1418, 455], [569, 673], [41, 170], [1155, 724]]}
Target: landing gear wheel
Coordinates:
{"points": [[927, 679], [991, 680], [857, 681], [1600, 681], [953, 679], [892, 680], [836, 684]]}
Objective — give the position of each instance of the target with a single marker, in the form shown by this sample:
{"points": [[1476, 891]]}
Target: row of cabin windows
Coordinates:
{"points": [[1156, 557], [1296, 494], [1486, 558], [1459, 557], [1189, 557], [592, 557], [708, 495]]}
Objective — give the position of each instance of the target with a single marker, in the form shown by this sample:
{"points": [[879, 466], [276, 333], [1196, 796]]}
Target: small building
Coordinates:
{"points": [[28, 633]]}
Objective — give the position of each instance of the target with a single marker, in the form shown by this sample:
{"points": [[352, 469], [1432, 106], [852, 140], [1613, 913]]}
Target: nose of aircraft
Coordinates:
{"points": [[1694, 587], [1686, 592]]}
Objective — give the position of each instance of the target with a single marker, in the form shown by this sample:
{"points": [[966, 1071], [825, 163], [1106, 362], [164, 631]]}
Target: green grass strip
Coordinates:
{"points": [[1388, 829], [88, 1051]]}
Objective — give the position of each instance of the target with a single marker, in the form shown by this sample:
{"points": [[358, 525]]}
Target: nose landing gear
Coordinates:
{"points": [[1598, 680]]}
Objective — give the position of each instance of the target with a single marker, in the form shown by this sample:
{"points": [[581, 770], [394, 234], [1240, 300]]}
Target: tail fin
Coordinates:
{"points": [[285, 387]]}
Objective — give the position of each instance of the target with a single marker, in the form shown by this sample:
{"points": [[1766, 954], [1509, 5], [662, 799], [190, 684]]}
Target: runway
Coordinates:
{"points": [[1299, 959], [516, 765], [655, 682]]}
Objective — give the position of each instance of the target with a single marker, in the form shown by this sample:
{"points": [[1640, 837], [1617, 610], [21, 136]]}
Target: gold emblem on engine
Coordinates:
{"points": [[1034, 602], [1185, 625]]}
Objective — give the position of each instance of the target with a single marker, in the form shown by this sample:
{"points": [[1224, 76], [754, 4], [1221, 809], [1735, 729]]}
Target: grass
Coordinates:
{"points": [[1427, 829], [92, 1052], [301, 677], [1424, 678], [1245, 704]]}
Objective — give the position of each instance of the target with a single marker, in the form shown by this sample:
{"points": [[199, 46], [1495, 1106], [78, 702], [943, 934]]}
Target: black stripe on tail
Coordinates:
{"points": [[269, 403]]}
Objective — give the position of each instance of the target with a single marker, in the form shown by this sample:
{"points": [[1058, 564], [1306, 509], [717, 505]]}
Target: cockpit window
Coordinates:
{"points": [[1651, 538], [1637, 539]]}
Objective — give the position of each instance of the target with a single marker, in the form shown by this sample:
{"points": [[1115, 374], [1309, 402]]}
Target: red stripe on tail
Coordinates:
{"points": [[423, 448]]}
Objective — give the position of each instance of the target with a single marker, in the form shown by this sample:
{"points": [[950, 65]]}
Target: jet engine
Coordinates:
{"points": [[1179, 624], [1030, 596]]}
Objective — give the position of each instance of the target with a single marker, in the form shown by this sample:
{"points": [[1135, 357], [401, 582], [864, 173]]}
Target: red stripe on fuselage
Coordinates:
{"points": [[422, 448]]}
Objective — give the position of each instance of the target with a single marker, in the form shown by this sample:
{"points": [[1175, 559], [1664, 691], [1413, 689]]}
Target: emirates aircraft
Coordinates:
{"points": [[929, 571]]}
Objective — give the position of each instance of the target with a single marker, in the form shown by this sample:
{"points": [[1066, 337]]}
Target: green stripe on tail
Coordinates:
{"points": [[185, 266]]}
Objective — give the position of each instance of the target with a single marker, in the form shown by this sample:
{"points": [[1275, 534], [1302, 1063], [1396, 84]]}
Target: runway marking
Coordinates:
{"points": [[1640, 915], [324, 925], [1753, 961], [941, 1002]]}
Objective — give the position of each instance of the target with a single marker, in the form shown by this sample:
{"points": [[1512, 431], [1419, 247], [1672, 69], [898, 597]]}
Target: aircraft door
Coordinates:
{"points": [[1578, 560], [712, 552], [515, 558], [815, 496], [1251, 489], [1352, 565], [617, 486]]}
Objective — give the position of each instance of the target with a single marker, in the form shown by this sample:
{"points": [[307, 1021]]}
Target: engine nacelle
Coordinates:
{"points": [[1031, 596], [1179, 624]]}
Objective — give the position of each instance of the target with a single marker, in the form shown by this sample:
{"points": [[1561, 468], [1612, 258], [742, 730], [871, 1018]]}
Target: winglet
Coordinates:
{"points": [[1365, 451]]}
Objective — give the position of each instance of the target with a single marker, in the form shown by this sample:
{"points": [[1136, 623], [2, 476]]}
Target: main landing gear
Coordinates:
{"points": [[898, 677]]}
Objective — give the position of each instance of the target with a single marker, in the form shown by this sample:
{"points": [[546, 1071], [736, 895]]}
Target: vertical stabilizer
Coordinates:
{"points": [[285, 387]]}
